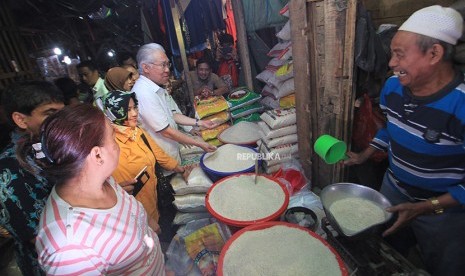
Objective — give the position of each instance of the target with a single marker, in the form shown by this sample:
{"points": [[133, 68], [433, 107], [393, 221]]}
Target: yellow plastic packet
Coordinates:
{"points": [[209, 134], [287, 101], [209, 106], [219, 118], [204, 247]]}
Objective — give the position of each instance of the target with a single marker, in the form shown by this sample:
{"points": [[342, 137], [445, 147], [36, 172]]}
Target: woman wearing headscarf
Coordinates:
{"points": [[118, 78], [138, 149]]}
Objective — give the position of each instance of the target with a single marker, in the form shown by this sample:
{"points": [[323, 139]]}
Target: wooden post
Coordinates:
{"points": [[182, 49], [323, 37], [304, 82], [239, 18]]}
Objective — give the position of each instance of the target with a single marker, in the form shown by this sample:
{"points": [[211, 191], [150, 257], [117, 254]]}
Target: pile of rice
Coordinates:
{"points": [[241, 133], [355, 214], [230, 158], [279, 250], [239, 198]]}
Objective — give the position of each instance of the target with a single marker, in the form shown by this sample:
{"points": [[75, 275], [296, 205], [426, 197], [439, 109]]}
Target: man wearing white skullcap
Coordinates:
{"points": [[425, 136]]}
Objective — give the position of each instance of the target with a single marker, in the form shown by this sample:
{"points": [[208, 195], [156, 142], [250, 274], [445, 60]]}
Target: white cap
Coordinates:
{"points": [[445, 24]]}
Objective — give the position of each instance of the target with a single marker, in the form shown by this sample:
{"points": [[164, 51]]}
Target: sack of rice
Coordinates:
{"points": [[278, 141], [209, 106], [197, 183], [184, 218], [215, 142], [189, 149], [190, 203], [287, 101], [241, 97], [275, 133], [219, 118], [254, 117], [209, 134], [279, 118], [246, 110]]}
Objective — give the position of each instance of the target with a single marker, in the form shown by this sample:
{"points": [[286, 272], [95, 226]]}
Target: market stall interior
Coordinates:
{"points": [[303, 82]]}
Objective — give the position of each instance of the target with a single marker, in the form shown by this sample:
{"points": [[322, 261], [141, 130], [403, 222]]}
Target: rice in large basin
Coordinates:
{"points": [[230, 158], [278, 248], [238, 201]]}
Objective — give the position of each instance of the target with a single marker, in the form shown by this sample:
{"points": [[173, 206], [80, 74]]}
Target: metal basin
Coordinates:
{"points": [[339, 191]]}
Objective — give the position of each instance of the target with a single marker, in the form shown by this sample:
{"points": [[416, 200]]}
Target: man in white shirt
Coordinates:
{"points": [[89, 74], [155, 112]]}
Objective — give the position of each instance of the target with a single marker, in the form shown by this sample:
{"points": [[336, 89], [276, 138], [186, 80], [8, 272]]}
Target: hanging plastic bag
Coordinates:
{"points": [[367, 121]]}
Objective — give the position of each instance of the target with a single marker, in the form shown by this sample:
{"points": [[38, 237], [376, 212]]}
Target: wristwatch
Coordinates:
{"points": [[196, 122], [437, 208]]}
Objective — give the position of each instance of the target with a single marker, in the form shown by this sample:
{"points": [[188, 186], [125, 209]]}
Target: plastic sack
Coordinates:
{"points": [[197, 183], [246, 110], [196, 247], [184, 218], [241, 97], [285, 33], [367, 122], [285, 72], [279, 89], [280, 49], [278, 141], [219, 118], [189, 149], [190, 203], [209, 134], [254, 117], [270, 102], [287, 101], [191, 159], [293, 172], [278, 118], [209, 106], [215, 142], [274, 133]]}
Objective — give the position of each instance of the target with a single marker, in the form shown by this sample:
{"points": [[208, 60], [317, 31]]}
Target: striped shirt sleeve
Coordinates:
{"points": [[73, 260]]}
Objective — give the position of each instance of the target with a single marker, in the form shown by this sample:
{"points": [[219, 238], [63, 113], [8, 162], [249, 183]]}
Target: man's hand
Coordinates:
{"points": [[207, 124], [207, 147], [128, 185], [206, 92], [195, 132], [354, 159], [406, 213]]}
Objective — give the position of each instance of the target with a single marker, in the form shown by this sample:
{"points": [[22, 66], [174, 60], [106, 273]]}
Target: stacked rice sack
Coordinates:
{"points": [[279, 140], [279, 73], [189, 197], [214, 108], [244, 105]]}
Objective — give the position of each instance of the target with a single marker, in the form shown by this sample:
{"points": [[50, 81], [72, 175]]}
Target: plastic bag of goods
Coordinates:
{"points": [[241, 97], [209, 106], [278, 118]]}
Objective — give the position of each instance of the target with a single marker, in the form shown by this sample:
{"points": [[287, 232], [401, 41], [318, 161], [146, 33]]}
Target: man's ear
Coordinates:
{"points": [[437, 53], [20, 119]]}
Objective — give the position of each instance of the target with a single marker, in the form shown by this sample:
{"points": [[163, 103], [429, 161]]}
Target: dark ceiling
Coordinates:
{"points": [[81, 27]]}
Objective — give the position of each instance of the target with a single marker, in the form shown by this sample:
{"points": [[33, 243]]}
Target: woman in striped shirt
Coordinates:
{"points": [[90, 225]]}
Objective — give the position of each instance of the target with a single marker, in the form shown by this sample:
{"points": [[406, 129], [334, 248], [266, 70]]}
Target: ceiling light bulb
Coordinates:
{"points": [[67, 60]]}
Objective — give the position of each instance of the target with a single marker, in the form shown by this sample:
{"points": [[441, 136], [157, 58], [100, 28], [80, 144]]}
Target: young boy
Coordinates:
{"points": [[23, 194]]}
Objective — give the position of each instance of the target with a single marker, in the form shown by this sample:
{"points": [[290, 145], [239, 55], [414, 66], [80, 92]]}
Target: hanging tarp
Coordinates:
{"points": [[198, 21], [263, 14]]}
